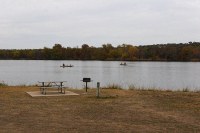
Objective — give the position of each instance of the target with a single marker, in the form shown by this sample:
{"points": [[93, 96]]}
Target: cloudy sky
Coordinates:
{"points": [[39, 23]]}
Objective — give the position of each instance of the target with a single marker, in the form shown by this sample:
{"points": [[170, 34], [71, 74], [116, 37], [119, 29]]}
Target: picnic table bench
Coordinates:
{"points": [[52, 85]]}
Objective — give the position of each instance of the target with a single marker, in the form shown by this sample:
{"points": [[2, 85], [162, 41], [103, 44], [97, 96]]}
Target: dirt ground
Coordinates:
{"points": [[115, 111]]}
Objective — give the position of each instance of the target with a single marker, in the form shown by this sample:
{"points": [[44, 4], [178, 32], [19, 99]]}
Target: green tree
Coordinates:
{"points": [[58, 52]]}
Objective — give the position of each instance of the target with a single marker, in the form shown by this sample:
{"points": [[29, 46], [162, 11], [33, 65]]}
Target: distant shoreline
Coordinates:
{"points": [[101, 60], [187, 52]]}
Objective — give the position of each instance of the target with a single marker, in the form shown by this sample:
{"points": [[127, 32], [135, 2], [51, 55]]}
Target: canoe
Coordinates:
{"points": [[124, 64], [67, 66]]}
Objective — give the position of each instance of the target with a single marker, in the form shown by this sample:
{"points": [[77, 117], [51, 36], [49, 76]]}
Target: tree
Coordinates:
{"points": [[85, 53], [58, 53]]}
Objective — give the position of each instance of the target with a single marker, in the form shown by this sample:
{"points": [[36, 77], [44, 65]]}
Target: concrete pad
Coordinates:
{"points": [[51, 93]]}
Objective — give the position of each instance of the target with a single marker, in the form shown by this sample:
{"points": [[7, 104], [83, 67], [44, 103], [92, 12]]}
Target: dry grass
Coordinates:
{"points": [[115, 111]]}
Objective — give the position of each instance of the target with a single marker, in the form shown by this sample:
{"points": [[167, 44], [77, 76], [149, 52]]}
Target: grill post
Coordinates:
{"points": [[86, 80]]}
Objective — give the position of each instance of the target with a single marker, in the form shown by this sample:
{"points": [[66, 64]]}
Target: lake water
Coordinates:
{"points": [[161, 75]]}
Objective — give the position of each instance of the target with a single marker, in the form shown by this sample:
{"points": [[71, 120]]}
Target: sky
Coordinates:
{"points": [[36, 24]]}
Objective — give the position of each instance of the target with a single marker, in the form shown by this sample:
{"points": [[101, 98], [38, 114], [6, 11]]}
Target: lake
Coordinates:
{"points": [[160, 75]]}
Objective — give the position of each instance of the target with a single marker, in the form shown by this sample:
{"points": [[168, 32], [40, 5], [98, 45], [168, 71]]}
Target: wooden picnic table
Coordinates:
{"points": [[52, 85]]}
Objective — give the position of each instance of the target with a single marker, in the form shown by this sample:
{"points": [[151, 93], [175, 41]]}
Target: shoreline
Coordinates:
{"points": [[116, 87]]}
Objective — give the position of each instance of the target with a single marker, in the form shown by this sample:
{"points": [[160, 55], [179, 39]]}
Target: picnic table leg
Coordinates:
{"points": [[45, 91], [58, 89], [41, 90]]}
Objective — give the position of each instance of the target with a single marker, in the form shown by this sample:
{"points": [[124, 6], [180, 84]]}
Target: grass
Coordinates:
{"points": [[112, 86], [185, 90], [133, 87], [115, 111], [2, 84]]}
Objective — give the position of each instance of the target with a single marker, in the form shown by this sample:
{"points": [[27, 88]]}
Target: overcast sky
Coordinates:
{"points": [[39, 23]]}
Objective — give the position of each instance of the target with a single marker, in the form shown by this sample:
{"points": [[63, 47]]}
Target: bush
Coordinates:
{"points": [[113, 86], [3, 84]]}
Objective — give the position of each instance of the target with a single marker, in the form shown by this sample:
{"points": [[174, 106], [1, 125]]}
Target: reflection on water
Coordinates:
{"points": [[163, 75]]}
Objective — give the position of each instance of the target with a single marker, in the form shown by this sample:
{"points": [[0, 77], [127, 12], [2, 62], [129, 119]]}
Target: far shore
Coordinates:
{"points": [[116, 110]]}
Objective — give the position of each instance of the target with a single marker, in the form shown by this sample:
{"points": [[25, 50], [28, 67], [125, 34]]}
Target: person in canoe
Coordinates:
{"points": [[123, 63], [63, 65]]}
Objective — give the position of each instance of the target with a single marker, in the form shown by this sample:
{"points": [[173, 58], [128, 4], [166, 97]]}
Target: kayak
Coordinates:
{"points": [[66, 66]]}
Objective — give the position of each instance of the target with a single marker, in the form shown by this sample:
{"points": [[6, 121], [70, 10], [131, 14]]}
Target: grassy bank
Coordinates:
{"points": [[115, 111]]}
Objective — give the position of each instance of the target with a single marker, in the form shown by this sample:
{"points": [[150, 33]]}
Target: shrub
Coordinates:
{"points": [[113, 86], [3, 84]]}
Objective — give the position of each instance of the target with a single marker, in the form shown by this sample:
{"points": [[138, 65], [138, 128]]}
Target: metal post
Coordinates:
{"points": [[61, 85], [86, 86], [42, 89], [98, 87]]}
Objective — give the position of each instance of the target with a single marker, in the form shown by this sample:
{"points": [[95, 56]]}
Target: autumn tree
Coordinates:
{"points": [[58, 52]]}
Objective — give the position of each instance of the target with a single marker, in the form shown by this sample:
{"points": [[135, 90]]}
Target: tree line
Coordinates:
{"points": [[158, 52]]}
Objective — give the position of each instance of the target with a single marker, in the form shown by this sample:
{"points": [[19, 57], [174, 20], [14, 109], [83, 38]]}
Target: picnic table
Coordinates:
{"points": [[59, 85]]}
